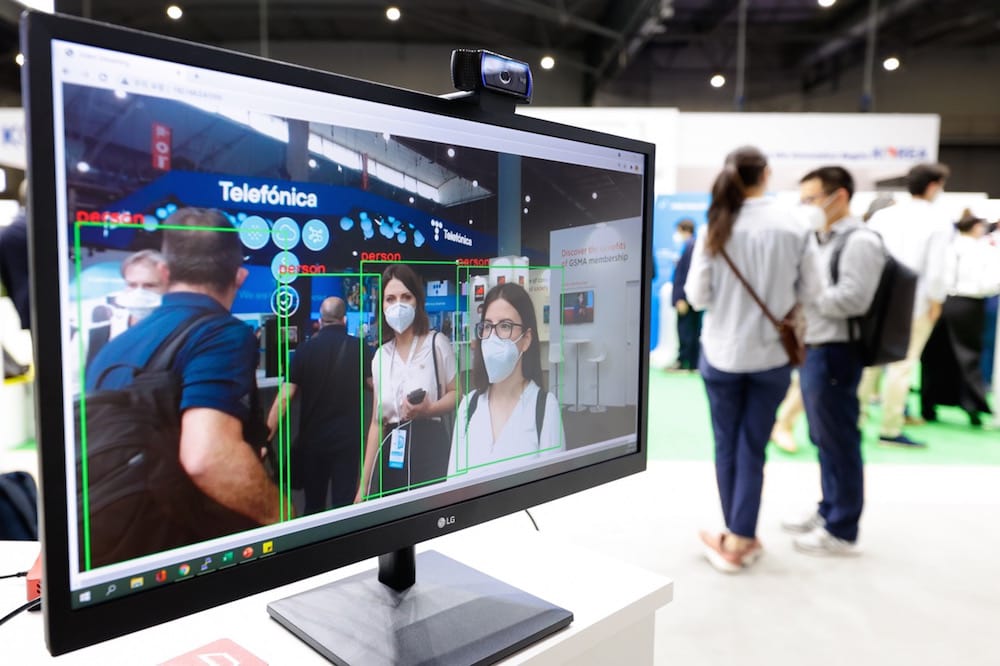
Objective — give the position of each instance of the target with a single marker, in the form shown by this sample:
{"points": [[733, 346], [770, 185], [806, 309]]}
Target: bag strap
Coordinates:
{"points": [[434, 355], [165, 354], [767, 313]]}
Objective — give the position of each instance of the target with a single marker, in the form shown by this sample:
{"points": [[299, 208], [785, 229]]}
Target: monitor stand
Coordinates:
{"points": [[453, 614]]}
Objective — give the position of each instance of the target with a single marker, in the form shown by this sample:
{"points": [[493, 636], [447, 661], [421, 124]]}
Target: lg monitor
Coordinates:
{"points": [[277, 195]]}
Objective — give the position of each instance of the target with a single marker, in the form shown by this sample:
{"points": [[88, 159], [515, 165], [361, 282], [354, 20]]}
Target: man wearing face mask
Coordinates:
{"points": [[145, 275], [688, 319], [833, 366]]}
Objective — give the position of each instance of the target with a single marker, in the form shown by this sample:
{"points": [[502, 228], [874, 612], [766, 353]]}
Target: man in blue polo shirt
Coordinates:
{"points": [[216, 364]]}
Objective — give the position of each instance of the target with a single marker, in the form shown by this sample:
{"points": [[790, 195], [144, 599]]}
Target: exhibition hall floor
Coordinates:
{"points": [[922, 593]]}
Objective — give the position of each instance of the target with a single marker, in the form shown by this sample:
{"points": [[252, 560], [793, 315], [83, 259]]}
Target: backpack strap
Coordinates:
{"points": [[540, 400], [165, 354], [434, 355], [471, 408]]}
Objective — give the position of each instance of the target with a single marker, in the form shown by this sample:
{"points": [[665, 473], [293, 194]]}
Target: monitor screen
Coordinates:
{"points": [[245, 272], [578, 307]]}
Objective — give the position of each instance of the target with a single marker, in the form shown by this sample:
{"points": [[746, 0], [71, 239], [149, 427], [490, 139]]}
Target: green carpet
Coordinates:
{"points": [[680, 429]]}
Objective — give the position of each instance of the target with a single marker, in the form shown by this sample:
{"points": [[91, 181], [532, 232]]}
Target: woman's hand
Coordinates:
{"points": [[409, 411]]}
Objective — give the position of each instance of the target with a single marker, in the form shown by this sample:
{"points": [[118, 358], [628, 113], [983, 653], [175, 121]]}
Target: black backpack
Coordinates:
{"points": [[139, 497], [882, 334], [539, 410], [18, 507]]}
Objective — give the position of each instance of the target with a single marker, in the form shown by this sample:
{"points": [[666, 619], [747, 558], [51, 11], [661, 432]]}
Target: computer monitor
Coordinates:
{"points": [[302, 186]]}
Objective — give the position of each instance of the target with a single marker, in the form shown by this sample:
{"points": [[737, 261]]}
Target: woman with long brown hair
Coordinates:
{"points": [[744, 365]]}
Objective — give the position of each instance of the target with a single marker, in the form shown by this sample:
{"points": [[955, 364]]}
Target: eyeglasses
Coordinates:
{"points": [[504, 329]]}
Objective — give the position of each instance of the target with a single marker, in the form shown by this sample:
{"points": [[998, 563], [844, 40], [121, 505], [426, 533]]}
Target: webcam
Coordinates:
{"points": [[480, 70]]}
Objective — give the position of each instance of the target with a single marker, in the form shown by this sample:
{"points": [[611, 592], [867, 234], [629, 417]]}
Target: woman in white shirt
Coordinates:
{"points": [[508, 419], [950, 366], [413, 373], [743, 363]]}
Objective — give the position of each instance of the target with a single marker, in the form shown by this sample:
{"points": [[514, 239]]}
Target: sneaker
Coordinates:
{"points": [[914, 420], [783, 439], [728, 561], [902, 441], [821, 542], [803, 524]]}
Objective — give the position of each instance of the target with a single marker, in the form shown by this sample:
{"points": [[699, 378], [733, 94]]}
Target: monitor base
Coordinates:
{"points": [[454, 614]]}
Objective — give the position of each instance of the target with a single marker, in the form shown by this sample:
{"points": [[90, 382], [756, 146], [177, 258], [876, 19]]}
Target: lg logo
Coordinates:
{"points": [[445, 521]]}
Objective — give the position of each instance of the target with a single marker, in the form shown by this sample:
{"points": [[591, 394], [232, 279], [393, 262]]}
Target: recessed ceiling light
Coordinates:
{"points": [[475, 183], [411, 199], [525, 211], [827, 3], [451, 152], [82, 167], [313, 163], [548, 62], [891, 64], [593, 195], [121, 94], [393, 13], [717, 81], [470, 220], [19, 59], [175, 12], [527, 198]]}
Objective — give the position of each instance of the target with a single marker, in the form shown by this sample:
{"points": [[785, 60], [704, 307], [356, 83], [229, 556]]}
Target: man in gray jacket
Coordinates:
{"points": [[833, 366]]}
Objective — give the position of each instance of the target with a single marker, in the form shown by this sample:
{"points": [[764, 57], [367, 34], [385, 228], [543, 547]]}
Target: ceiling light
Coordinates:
{"points": [[411, 199], [827, 3], [593, 195], [891, 64], [548, 62], [470, 220], [525, 211], [19, 59], [175, 12], [82, 167], [393, 13], [475, 183], [313, 163], [527, 198], [451, 152], [717, 81], [121, 94]]}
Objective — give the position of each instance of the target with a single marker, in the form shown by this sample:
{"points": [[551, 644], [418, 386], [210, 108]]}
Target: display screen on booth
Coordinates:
{"points": [[211, 221]]}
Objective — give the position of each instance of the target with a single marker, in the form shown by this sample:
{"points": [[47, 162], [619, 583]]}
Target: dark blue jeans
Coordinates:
{"points": [[688, 332], [829, 382], [743, 406]]}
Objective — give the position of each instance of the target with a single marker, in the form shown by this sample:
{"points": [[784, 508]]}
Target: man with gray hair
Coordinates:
{"points": [[330, 377]]}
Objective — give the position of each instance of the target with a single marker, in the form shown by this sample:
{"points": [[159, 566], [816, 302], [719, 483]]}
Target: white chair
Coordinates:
{"points": [[597, 355]]}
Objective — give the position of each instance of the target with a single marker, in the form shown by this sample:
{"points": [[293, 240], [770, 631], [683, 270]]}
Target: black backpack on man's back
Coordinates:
{"points": [[138, 499], [882, 334]]}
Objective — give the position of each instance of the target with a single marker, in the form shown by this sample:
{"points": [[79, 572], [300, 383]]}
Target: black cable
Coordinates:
{"points": [[532, 520], [19, 574], [31, 605]]}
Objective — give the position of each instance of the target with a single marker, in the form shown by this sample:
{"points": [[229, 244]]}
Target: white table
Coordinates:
{"points": [[613, 603]]}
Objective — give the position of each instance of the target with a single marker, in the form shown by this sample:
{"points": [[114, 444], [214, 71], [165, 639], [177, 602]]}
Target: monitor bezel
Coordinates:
{"points": [[68, 629]]}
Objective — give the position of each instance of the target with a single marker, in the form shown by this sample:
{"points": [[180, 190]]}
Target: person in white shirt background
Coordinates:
{"points": [[916, 234], [950, 367], [413, 374], [508, 418], [744, 365]]}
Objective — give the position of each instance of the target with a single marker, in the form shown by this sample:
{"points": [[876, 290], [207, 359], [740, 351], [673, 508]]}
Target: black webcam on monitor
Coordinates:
{"points": [[477, 70]]}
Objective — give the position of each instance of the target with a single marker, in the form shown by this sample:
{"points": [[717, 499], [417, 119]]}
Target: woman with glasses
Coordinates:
{"points": [[413, 373], [508, 418]]}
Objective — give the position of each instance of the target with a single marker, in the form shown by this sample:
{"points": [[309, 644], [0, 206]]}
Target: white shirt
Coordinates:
{"points": [[770, 246], [475, 450], [917, 234], [395, 378], [972, 267]]}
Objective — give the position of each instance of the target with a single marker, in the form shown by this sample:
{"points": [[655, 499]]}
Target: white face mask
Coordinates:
{"points": [[679, 239], [500, 357], [140, 303], [400, 316], [812, 216]]}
